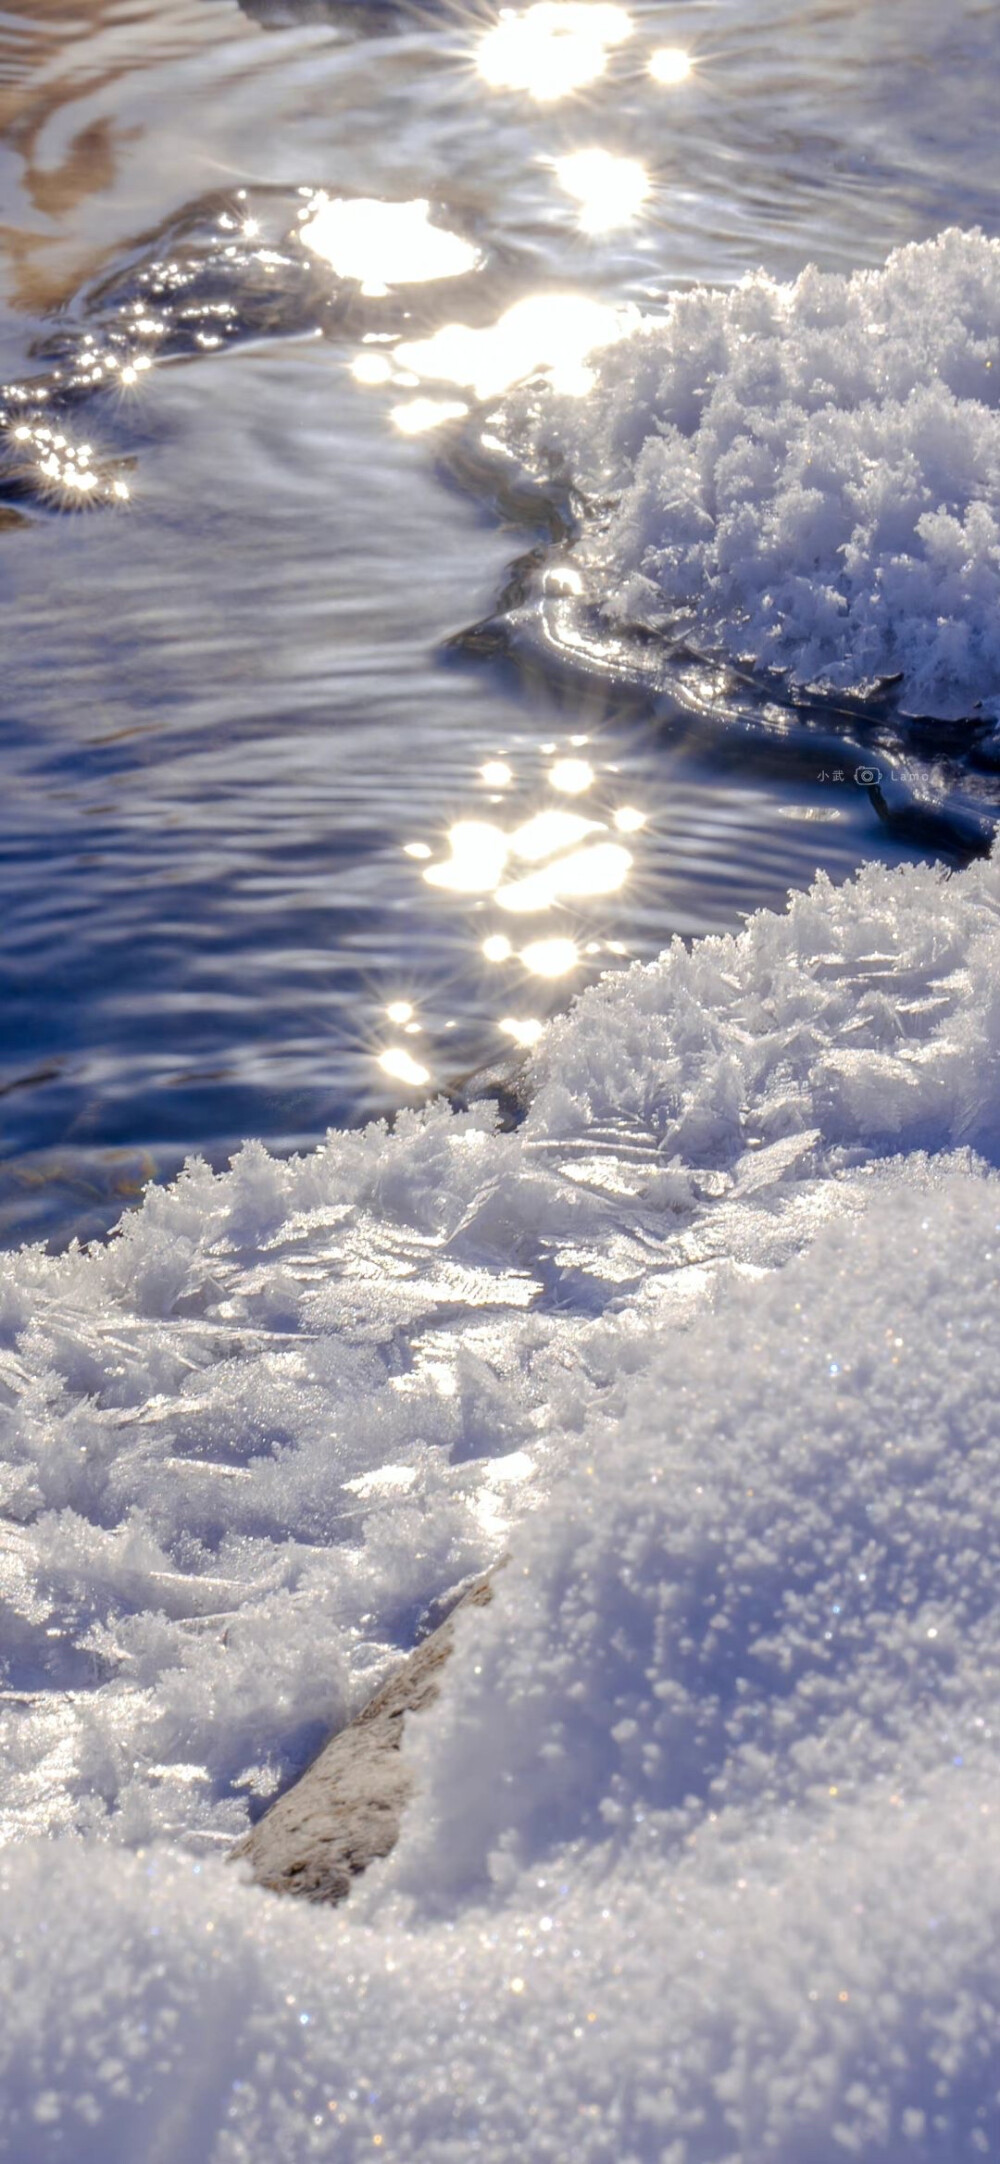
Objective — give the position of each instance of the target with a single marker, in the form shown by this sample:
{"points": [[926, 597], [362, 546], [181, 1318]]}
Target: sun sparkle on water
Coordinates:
{"points": [[550, 957], [554, 332], [552, 859], [670, 64], [372, 368], [552, 49], [400, 1064], [610, 189], [525, 1030], [580, 875], [571, 776], [416, 415], [384, 244], [478, 856], [549, 831], [567, 862]]}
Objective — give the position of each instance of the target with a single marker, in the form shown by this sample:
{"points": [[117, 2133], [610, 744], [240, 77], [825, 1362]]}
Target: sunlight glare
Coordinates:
{"points": [[552, 49], [525, 1032], [478, 856], [550, 957], [551, 331], [601, 869], [371, 368], [549, 831], [671, 64], [384, 244], [417, 415], [402, 1067], [563, 579], [609, 189], [571, 776], [530, 896]]}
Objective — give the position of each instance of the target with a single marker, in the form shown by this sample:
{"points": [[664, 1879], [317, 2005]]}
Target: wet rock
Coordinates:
{"points": [[506, 1083]]}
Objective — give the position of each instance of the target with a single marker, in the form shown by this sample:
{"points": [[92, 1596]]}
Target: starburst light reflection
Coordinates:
{"points": [[552, 49], [610, 189], [670, 64], [384, 244], [550, 869], [551, 332]]}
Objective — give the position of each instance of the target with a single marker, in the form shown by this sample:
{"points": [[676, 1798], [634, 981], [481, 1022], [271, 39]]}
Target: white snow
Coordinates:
{"points": [[700, 1869], [805, 476]]}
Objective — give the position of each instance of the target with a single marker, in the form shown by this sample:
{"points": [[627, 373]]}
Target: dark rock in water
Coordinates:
{"points": [[946, 831], [507, 1083], [346, 1808]]}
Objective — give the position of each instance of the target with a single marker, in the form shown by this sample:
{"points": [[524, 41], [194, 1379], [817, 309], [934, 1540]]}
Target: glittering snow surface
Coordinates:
{"points": [[701, 1866], [804, 476]]}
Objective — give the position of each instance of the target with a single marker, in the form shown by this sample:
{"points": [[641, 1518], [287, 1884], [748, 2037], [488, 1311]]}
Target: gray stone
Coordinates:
{"points": [[346, 1808]]}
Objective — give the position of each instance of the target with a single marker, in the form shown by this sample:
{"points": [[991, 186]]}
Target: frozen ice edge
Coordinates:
{"points": [[709, 1342], [803, 479]]}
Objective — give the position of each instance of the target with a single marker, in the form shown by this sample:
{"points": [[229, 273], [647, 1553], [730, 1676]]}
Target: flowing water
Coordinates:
{"points": [[271, 855]]}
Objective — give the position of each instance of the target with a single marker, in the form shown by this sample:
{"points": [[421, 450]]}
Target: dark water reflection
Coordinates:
{"points": [[232, 740]]}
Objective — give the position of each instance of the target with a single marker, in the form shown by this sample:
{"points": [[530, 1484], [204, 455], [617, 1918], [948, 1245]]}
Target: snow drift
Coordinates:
{"points": [[699, 1865]]}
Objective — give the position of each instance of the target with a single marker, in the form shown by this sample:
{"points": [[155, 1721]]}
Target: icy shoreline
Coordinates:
{"points": [[803, 478], [709, 1344]]}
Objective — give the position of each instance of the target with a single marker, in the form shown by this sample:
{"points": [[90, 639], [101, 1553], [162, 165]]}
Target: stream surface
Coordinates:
{"points": [[261, 793]]}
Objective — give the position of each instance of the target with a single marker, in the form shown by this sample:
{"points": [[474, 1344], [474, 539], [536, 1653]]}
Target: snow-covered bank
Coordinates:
{"points": [[698, 1865], [804, 476]]}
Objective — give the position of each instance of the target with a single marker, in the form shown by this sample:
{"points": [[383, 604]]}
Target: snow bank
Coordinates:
{"points": [[698, 1867], [804, 476], [772, 1582]]}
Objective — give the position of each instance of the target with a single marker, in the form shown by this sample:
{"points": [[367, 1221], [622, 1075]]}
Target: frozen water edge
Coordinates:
{"points": [[800, 478], [709, 1344]]}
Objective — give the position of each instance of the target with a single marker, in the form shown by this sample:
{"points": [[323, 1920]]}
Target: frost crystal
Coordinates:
{"points": [[804, 476], [700, 1864]]}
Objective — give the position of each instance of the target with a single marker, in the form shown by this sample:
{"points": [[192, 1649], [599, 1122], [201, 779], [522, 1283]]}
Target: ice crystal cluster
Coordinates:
{"points": [[803, 476]]}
